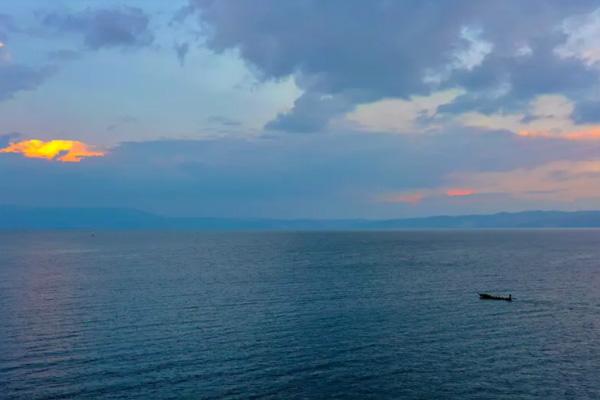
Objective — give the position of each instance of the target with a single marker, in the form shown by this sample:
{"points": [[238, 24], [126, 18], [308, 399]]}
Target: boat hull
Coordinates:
{"points": [[485, 296]]}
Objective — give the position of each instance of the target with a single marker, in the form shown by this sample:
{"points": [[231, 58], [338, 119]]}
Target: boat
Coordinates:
{"points": [[486, 296]]}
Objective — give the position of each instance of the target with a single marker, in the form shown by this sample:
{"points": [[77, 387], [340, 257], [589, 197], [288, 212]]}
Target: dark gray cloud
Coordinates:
{"points": [[311, 112], [587, 112], [16, 78], [102, 28], [525, 77], [182, 50], [357, 51], [6, 139], [330, 175]]}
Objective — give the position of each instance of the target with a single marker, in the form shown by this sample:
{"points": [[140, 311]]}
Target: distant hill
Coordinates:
{"points": [[14, 217]]}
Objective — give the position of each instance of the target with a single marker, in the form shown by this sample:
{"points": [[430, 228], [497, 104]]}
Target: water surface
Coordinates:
{"points": [[167, 315]]}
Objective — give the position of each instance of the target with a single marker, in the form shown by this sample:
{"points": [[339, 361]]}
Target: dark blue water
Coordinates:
{"points": [[300, 315]]}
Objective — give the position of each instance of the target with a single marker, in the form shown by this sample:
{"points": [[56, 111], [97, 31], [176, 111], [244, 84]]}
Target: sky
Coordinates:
{"points": [[301, 108]]}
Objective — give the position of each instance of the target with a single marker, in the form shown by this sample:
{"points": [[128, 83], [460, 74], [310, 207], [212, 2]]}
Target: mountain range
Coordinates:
{"points": [[26, 218]]}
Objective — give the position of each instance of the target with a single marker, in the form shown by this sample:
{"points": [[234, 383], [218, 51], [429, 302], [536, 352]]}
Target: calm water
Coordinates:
{"points": [[299, 315]]}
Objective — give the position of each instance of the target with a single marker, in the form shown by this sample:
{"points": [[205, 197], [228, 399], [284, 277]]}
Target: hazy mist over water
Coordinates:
{"points": [[171, 315]]}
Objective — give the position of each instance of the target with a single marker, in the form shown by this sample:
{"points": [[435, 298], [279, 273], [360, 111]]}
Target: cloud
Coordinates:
{"points": [[582, 32], [401, 116], [587, 111], [67, 151], [555, 184], [467, 56], [561, 181], [8, 138], [417, 197], [182, 50], [329, 175], [311, 113], [345, 53], [549, 116], [460, 192], [15, 78], [105, 28]]}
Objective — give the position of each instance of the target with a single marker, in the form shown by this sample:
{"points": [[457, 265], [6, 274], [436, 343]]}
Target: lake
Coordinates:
{"points": [[300, 315]]}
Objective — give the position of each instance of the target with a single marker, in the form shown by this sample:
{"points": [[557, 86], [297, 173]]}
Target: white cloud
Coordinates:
{"points": [[547, 116], [474, 52], [524, 51], [468, 54], [400, 116], [582, 34]]}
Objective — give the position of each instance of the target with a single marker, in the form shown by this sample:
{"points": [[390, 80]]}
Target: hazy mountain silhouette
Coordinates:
{"points": [[15, 217]]}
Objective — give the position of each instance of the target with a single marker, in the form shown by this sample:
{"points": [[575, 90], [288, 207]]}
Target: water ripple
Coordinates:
{"points": [[299, 315]]}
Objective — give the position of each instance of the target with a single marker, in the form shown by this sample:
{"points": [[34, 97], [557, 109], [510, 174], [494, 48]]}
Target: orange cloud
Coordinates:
{"points": [[417, 197], [562, 181], [588, 134], [534, 134], [68, 151], [458, 192]]}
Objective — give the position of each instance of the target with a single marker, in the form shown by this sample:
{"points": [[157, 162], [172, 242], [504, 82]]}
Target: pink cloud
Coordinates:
{"points": [[460, 192]]}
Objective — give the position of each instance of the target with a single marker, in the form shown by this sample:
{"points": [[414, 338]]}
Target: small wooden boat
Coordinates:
{"points": [[486, 296]]}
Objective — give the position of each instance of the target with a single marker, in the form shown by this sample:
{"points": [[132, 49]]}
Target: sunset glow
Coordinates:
{"points": [[68, 151], [588, 134], [233, 108], [458, 192], [533, 134]]}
